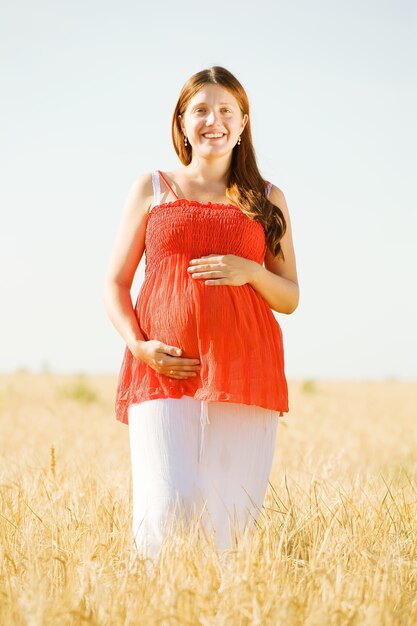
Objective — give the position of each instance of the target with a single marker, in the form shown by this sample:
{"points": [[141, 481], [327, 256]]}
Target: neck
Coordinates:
{"points": [[209, 171]]}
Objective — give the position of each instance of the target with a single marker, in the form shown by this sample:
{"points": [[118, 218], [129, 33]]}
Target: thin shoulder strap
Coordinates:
{"points": [[156, 188], [167, 183], [268, 186]]}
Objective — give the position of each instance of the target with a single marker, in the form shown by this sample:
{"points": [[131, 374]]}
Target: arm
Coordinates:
{"points": [[277, 282], [126, 255]]}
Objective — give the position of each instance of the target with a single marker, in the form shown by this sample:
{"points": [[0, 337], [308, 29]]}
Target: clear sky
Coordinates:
{"points": [[88, 94]]}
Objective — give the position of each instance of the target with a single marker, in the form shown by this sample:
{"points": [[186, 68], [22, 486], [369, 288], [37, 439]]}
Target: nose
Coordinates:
{"points": [[211, 118]]}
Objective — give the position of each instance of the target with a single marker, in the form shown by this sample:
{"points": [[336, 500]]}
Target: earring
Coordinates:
{"points": [[238, 141], [185, 141]]}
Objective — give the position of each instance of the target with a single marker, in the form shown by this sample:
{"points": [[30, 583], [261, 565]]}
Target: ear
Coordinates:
{"points": [[181, 123], [245, 119]]}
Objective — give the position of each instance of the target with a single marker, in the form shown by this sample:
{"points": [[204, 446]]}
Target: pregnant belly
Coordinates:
{"points": [[220, 322], [168, 314]]}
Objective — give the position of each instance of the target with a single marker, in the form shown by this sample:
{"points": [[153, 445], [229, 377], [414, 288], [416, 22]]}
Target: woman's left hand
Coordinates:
{"points": [[223, 269]]}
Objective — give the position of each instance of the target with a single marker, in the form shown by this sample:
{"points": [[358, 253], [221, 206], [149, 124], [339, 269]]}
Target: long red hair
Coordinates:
{"points": [[245, 185]]}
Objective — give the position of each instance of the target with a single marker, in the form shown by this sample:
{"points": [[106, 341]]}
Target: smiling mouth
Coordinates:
{"points": [[214, 135]]}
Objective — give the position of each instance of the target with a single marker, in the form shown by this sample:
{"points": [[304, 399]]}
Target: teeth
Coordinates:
{"points": [[213, 134]]}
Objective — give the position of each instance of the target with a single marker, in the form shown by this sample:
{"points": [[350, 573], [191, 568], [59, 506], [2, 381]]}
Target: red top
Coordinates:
{"points": [[231, 330]]}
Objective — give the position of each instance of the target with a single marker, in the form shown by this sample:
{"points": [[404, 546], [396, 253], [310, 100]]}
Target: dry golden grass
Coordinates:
{"points": [[335, 544]]}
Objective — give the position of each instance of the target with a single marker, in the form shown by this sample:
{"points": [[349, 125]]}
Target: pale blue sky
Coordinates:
{"points": [[88, 94]]}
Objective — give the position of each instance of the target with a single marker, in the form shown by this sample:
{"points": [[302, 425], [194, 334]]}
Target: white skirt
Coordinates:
{"points": [[190, 455]]}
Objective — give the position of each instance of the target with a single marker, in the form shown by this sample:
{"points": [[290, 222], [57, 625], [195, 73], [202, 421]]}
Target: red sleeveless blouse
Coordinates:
{"points": [[231, 330]]}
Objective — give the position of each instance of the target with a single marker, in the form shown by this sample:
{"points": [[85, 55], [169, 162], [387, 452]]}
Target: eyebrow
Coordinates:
{"points": [[199, 103]]}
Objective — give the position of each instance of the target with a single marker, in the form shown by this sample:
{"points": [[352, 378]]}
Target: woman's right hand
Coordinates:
{"points": [[166, 359]]}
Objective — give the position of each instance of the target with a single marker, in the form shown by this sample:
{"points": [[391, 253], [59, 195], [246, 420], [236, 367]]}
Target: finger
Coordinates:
{"points": [[218, 281], [203, 259], [208, 273], [204, 266], [172, 350], [181, 375], [178, 362], [195, 368], [178, 368]]}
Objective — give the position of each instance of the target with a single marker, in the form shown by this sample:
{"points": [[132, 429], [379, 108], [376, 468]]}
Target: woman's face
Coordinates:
{"points": [[213, 110]]}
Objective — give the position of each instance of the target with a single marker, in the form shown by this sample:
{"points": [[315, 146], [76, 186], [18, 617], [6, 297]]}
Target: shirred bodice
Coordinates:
{"points": [[189, 227]]}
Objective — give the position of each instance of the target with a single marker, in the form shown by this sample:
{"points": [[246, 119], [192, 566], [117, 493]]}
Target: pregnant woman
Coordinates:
{"points": [[202, 383]]}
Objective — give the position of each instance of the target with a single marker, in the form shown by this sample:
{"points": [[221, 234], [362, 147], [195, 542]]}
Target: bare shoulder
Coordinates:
{"points": [[130, 239], [140, 195], [287, 267], [277, 197]]}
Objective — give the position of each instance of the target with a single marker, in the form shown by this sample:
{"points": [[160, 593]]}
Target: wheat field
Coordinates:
{"points": [[335, 542]]}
